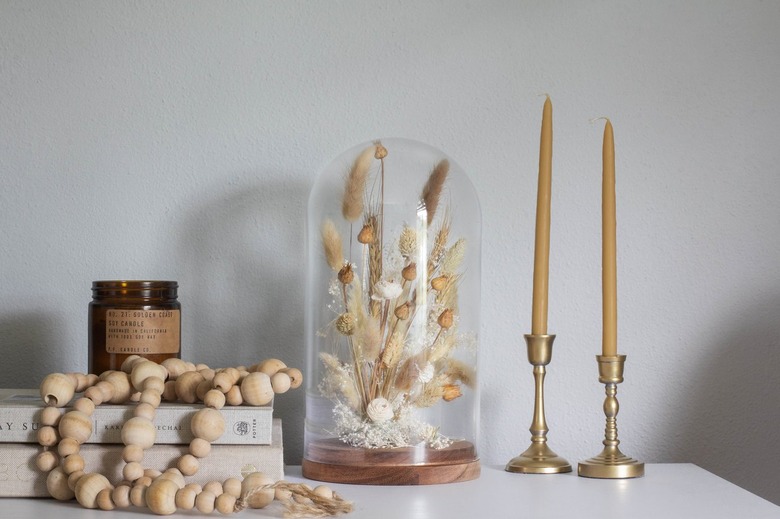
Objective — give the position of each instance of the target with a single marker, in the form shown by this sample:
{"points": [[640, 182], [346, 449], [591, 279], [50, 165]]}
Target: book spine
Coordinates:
{"points": [[19, 477], [244, 425]]}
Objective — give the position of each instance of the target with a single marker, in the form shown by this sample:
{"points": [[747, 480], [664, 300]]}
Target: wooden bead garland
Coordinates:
{"points": [[148, 383]]}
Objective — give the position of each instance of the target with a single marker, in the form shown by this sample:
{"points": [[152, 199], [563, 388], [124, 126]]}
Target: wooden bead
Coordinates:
{"points": [[281, 382], [143, 481], [82, 382], [76, 425], [186, 385], [46, 461], [225, 504], [132, 471], [85, 405], [106, 389], [155, 384], [138, 495], [57, 485], [145, 369], [121, 496], [139, 431], [94, 394], [175, 367], [74, 478], [185, 498], [233, 396], [282, 494], [132, 453], [214, 398], [323, 491], [200, 448], [88, 487], [204, 502], [47, 436], [195, 487], [57, 389], [105, 500], [151, 397], [200, 366], [174, 475], [135, 396], [169, 392], [207, 373], [72, 463], [188, 464], [232, 486], [161, 496], [50, 416], [121, 383], [261, 498], [270, 366], [68, 446], [296, 377], [202, 389], [207, 423], [256, 389], [215, 487], [145, 410], [92, 379], [222, 381], [127, 365], [152, 473]]}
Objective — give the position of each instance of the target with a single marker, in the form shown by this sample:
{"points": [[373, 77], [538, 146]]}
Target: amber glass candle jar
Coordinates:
{"points": [[133, 318]]}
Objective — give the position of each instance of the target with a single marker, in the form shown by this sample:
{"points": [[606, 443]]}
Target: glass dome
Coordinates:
{"points": [[392, 316]]}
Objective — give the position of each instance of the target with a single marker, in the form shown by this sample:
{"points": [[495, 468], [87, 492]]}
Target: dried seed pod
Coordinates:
{"points": [[451, 392], [345, 324], [161, 496], [139, 431], [256, 388], [381, 151], [57, 485], [76, 425], [439, 283], [57, 389], [270, 366], [403, 311], [446, 319], [409, 272], [208, 424], [88, 487], [280, 382], [261, 498], [186, 386], [366, 234], [296, 377], [346, 275]]}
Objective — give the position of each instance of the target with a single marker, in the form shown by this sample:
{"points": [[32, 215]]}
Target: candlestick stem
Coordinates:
{"points": [[539, 458], [611, 463]]}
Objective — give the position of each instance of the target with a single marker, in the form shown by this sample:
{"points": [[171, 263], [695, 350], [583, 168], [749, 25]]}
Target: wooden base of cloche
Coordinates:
{"points": [[421, 465]]}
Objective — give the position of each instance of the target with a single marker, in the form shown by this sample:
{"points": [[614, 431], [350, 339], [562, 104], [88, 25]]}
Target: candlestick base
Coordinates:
{"points": [[539, 458], [611, 463]]}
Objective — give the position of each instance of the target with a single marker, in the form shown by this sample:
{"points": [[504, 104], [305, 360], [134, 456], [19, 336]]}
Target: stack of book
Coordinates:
{"points": [[252, 442]]}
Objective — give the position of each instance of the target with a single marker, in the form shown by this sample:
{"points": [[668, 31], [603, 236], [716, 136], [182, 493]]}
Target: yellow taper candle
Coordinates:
{"points": [[542, 241], [608, 245]]}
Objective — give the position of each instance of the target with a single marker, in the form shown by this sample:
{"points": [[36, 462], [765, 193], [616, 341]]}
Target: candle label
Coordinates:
{"points": [[142, 331]]}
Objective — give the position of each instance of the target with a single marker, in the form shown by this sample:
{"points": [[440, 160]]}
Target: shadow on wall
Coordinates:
{"points": [[241, 260], [730, 423], [27, 341]]}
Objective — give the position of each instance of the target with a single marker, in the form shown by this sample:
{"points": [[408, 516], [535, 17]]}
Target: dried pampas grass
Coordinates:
{"points": [[331, 243], [432, 190], [352, 204]]}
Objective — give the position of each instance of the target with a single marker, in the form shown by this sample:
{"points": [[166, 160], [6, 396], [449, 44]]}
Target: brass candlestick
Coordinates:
{"points": [[611, 463], [539, 458]]}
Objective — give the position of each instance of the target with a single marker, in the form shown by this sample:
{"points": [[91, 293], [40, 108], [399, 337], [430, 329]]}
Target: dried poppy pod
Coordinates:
{"points": [[439, 283], [402, 311], [366, 234], [345, 323], [409, 272], [381, 151], [346, 275], [256, 388], [57, 389]]}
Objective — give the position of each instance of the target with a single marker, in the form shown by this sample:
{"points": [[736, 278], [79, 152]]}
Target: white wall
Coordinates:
{"points": [[179, 140]]}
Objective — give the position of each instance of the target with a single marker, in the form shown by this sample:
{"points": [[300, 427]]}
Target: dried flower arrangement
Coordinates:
{"points": [[391, 343]]}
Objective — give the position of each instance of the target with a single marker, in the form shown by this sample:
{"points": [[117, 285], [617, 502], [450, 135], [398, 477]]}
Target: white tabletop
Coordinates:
{"points": [[666, 491]]}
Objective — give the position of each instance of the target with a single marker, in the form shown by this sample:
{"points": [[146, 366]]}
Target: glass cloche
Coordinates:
{"points": [[392, 317]]}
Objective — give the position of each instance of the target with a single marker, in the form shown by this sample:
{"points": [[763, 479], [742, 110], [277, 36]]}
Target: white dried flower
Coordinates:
{"points": [[386, 290], [379, 410], [426, 373], [407, 242]]}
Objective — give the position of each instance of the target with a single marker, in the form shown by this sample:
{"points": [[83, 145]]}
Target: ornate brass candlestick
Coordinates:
{"points": [[611, 463], [539, 458]]}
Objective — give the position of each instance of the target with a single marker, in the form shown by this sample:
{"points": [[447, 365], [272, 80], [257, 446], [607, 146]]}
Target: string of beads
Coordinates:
{"points": [[148, 384]]}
